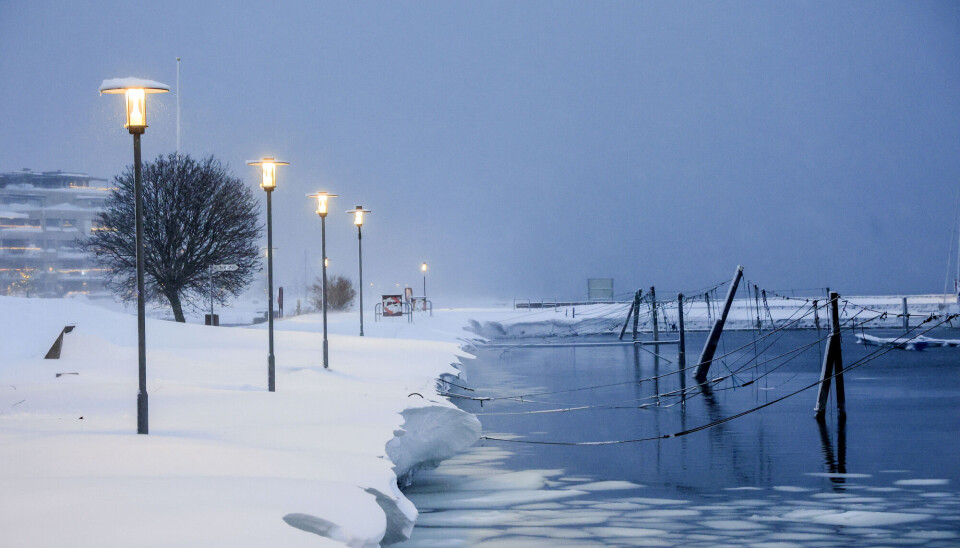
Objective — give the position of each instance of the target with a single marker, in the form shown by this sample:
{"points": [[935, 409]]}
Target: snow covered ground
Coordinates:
{"points": [[226, 462]]}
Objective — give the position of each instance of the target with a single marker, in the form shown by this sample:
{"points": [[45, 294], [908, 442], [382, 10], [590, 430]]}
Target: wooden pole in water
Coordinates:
{"points": [[756, 303], [710, 346], [906, 315], [636, 312], [832, 366], [653, 308], [682, 352], [626, 322]]}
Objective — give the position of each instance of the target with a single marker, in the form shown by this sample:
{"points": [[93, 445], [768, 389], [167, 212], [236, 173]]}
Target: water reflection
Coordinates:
{"points": [[836, 462]]}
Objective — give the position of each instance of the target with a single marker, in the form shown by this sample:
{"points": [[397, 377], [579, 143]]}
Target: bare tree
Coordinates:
{"points": [[195, 215], [340, 293]]}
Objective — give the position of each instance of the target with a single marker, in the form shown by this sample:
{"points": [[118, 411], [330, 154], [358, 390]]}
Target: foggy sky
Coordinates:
{"points": [[522, 147]]}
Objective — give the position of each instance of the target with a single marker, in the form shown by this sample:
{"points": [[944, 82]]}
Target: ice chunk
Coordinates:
{"points": [[607, 486], [921, 482], [734, 525], [861, 518]]}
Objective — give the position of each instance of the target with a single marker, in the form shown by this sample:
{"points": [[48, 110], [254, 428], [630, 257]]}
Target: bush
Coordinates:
{"points": [[340, 293]]}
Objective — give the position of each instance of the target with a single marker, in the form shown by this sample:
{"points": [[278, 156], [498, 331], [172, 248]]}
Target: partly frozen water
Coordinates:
{"points": [[887, 476]]}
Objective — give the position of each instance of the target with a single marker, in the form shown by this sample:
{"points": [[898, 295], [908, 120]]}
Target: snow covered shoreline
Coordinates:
{"points": [[226, 462]]}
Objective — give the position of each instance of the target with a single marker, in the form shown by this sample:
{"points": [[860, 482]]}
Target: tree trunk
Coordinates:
{"points": [[174, 299]]}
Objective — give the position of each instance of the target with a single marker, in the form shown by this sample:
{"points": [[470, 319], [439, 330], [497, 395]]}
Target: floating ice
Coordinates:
{"points": [[861, 518], [922, 482], [525, 479], [734, 525], [625, 532], [655, 502], [933, 535], [493, 499], [790, 489], [607, 486], [838, 475]]}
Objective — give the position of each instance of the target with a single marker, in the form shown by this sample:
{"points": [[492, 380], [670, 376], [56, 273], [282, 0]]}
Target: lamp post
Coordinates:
{"points": [[135, 91], [322, 198], [358, 220], [268, 182], [423, 268]]}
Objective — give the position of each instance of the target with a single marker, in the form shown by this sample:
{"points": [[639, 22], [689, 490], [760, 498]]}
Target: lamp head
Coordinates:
{"points": [[135, 92], [358, 215], [268, 172], [322, 201]]}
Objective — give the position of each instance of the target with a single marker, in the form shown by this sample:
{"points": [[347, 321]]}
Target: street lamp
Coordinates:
{"points": [[135, 91], [322, 198], [423, 268], [358, 220], [268, 182]]}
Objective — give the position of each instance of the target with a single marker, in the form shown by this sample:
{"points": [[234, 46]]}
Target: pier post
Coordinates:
{"points": [[832, 366], [682, 351], [653, 309], [710, 346], [636, 312], [706, 297], [756, 302], [626, 322], [906, 316]]}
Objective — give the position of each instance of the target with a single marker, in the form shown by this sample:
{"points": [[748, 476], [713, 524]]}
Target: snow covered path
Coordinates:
{"points": [[226, 462]]}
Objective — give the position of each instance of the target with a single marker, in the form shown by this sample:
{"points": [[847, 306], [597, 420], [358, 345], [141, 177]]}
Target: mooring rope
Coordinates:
{"points": [[870, 357], [648, 379]]}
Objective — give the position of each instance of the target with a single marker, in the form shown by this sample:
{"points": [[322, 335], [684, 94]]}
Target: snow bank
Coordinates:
{"points": [[226, 462]]}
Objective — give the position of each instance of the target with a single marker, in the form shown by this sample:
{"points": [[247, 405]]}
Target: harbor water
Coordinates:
{"points": [[887, 474]]}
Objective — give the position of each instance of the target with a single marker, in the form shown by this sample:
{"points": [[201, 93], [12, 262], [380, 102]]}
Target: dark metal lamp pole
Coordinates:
{"points": [[268, 182], [358, 220], [135, 91], [322, 198]]}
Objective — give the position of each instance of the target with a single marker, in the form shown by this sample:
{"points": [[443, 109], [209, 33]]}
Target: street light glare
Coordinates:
{"points": [[322, 199], [136, 108], [268, 176], [135, 91], [358, 215]]}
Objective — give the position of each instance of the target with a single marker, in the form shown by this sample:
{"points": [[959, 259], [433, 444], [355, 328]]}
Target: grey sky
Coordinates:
{"points": [[522, 147]]}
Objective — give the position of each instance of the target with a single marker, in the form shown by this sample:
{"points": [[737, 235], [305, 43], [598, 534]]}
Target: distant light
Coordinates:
{"points": [[423, 268], [358, 215]]}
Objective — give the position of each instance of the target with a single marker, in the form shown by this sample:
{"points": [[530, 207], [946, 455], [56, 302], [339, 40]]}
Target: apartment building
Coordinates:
{"points": [[43, 218]]}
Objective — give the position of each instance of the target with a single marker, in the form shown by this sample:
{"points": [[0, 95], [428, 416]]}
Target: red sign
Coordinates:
{"points": [[392, 305]]}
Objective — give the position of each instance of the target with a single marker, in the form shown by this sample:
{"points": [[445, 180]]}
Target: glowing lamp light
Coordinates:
{"points": [[423, 268], [322, 201], [135, 91], [358, 215], [268, 177]]}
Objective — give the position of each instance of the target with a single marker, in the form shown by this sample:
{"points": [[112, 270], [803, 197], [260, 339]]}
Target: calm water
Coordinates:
{"points": [[888, 475]]}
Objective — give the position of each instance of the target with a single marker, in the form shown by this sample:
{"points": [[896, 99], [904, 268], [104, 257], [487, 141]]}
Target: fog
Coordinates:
{"points": [[520, 148]]}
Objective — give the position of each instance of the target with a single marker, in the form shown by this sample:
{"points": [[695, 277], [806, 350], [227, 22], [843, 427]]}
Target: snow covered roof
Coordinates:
{"points": [[118, 85], [12, 215]]}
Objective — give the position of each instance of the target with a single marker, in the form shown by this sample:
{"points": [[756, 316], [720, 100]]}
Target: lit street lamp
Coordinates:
{"points": [[322, 198], [135, 91], [268, 182], [358, 220], [423, 268]]}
